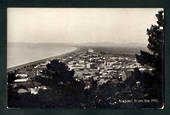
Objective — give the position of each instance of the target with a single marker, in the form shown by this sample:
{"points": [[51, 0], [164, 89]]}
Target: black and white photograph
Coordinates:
{"points": [[85, 58]]}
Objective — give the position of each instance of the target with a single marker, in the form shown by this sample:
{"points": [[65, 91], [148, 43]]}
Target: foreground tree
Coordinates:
{"points": [[59, 71], [58, 74], [153, 59], [11, 78], [63, 89]]}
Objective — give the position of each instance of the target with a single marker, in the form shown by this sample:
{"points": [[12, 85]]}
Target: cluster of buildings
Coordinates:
{"points": [[88, 64], [25, 78], [92, 64]]}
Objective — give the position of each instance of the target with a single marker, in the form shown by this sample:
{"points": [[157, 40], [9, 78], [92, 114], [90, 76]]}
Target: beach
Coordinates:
{"points": [[35, 58]]}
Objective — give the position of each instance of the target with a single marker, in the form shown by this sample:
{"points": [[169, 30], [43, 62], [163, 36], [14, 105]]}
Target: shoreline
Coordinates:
{"points": [[41, 60]]}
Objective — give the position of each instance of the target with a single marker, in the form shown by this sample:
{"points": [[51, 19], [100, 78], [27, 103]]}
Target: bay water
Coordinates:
{"points": [[21, 53]]}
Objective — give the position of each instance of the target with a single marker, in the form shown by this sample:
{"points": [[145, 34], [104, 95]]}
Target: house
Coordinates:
{"points": [[90, 50], [21, 91], [21, 75], [91, 66], [76, 66], [125, 75], [21, 80]]}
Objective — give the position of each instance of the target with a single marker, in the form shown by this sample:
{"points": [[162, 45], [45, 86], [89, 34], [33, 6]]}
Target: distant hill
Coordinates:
{"points": [[106, 44], [103, 44]]}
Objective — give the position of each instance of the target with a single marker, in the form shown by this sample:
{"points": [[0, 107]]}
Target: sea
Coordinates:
{"points": [[22, 53]]}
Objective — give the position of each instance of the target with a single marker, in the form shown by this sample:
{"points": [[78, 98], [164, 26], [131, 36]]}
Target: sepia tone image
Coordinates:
{"points": [[85, 58]]}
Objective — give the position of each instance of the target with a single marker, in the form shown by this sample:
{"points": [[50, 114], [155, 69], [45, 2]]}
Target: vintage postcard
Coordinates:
{"points": [[85, 58]]}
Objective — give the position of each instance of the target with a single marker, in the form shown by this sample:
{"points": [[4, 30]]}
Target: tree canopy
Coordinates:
{"points": [[59, 71], [154, 58], [155, 45]]}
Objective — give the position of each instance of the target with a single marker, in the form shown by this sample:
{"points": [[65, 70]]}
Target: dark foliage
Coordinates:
{"points": [[12, 95], [11, 78], [155, 45], [64, 89], [154, 59], [59, 71]]}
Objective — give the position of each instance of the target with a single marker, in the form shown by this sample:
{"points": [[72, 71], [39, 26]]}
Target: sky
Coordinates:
{"points": [[79, 25]]}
